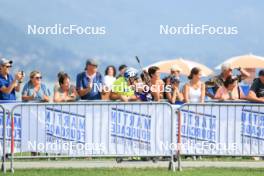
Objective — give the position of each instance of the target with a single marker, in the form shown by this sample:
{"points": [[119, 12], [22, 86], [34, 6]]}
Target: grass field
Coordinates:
{"points": [[140, 172]]}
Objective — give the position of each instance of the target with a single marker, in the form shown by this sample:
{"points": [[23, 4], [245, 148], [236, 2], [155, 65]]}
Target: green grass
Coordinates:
{"points": [[204, 158], [140, 172]]}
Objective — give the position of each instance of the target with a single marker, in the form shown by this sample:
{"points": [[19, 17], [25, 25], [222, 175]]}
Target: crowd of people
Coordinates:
{"points": [[130, 85]]}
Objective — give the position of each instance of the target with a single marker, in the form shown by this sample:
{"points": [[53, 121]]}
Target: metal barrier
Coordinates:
{"points": [[144, 129], [93, 129], [221, 129], [3, 136]]}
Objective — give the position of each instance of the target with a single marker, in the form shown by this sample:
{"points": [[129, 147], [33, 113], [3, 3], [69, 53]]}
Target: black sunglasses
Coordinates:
{"points": [[7, 66], [38, 77]]}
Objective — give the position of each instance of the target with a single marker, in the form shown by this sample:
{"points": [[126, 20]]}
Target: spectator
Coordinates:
{"points": [[89, 81], [123, 87], [194, 91], [121, 69], [174, 95], [143, 91], [226, 71], [9, 85], [64, 92], [175, 71], [157, 85], [109, 77], [230, 90], [34, 90], [108, 81], [256, 93], [57, 84]]}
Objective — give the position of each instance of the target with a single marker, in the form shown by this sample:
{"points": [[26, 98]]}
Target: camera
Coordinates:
{"points": [[22, 73]]}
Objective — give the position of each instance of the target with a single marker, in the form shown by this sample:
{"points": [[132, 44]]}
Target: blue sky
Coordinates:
{"points": [[133, 28]]}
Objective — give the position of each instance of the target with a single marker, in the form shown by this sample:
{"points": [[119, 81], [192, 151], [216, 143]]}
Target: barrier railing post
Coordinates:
{"points": [[12, 142], [4, 141], [179, 142], [172, 164]]}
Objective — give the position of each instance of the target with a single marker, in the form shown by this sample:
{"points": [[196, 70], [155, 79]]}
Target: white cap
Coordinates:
{"points": [[175, 68], [5, 61], [225, 66]]}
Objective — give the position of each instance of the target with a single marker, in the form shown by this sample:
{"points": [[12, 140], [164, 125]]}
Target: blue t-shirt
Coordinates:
{"points": [[82, 82], [6, 83], [28, 90]]}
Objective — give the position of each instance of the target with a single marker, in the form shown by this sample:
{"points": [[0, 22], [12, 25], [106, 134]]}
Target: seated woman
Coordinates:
{"points": [[174, 95], [64, 92], [230, 90], [34, 90], [194, 91]]}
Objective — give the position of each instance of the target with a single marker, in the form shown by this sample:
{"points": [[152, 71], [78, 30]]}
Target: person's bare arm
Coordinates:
{"points": [[161, 89], [253, 97], [17, 88], [169, 97], [45, 98], [27, 97], [9, 89], [186, 93], [115, 96], [13, 85], [244, 73], [57, 98], [19, 77], [161, 96], [133, 98], [84, 91], [155, 92], [179, 95], [74, 95], [156, 96], [176, 94], [202, 93]]}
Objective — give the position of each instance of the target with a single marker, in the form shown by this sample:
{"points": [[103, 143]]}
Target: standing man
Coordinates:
{"points": [[8, 85], [88, 83]]}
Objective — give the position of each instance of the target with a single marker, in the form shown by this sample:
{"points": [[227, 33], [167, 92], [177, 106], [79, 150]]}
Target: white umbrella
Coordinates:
{"points": [[244, 61], [183, 64]]}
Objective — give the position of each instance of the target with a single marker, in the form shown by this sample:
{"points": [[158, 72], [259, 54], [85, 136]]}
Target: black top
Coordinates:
{"points": [[258, 88]]}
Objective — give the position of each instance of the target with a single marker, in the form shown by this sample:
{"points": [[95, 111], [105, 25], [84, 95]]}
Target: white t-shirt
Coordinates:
{"points": [[108, 81]]}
